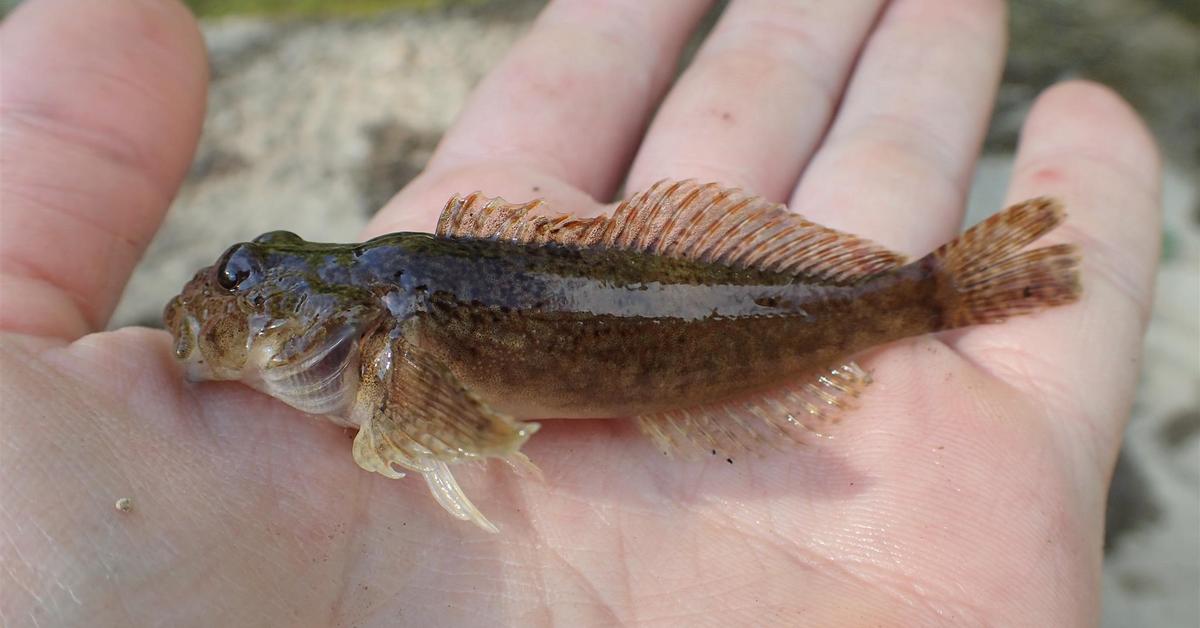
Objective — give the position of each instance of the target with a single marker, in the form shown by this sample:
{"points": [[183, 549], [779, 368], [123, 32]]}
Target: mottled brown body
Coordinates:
{"points": [[720, 321], [536, 337]]}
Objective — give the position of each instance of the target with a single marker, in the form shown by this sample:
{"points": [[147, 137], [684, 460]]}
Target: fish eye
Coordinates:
{"points": [[234, 268]]}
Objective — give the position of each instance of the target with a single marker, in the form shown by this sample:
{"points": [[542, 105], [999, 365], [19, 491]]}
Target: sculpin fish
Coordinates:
{"points": [[718, 320]]}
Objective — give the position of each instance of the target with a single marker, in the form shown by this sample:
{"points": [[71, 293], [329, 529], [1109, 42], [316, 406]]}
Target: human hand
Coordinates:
{"points": [[968, 488]]}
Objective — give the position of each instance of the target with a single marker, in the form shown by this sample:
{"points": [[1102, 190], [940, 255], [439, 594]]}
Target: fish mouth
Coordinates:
{"points": [[185, 329], [195, 371]]}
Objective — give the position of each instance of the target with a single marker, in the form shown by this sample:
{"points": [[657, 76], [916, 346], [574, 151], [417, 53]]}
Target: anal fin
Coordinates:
{"points": [[782, 416]]}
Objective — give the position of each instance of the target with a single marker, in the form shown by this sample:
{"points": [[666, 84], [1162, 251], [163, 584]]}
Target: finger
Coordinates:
{"points": [[572, 98], [101, 107], [1082, 358], [756, 99], [897, 163]]}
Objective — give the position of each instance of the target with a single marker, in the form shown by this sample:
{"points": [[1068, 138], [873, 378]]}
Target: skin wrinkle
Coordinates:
{"points": [[627, 40], [955, 339], [953, 93], [123, 154], [363, 489], [773, 543], [12, 544], [1000, 362], [131, 251], [74, 322], [598, 603], [900, 157], [673, 135], [1085, 420], [1059, 159], [34, 270], [912, 593], [1090, 104], [914, 139], [512, 492], [1051, 405], [612, 50], [793, 50], [737, 65], [458, 160], [961, 19], [50, 378], [577, 203], [626, 577], [33, 198]]}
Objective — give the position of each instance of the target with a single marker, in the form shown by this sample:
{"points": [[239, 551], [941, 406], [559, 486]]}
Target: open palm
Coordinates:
{"points": [[966, 489]]}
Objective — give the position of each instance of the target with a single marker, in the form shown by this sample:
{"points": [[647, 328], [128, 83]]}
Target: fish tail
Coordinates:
{"points": [[984, 276]]}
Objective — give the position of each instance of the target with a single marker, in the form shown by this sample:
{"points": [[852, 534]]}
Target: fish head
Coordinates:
{"points": [[281, 314]]}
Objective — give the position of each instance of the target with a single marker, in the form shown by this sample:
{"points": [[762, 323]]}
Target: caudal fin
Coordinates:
{"points": [[986, 277]]}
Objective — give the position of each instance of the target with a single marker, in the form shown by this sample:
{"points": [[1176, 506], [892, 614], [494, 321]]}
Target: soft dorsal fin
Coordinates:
{"points": [[686, 219]]}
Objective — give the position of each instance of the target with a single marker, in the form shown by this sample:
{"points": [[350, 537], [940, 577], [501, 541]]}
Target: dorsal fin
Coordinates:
{"points": [[686, 219]]}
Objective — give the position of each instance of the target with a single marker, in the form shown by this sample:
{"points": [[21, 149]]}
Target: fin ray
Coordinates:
{"points": [[414, 413], [703, 222], [785, 415], [986, 277]]}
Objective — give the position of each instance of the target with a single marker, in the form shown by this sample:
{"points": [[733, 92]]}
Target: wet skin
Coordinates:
{"points": [[555, 331]]}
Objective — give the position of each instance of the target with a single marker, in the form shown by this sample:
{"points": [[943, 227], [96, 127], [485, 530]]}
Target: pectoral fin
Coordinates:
{"points": [[415, 414]]}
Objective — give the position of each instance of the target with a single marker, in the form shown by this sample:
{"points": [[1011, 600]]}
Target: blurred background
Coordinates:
{"points": [[319, 110]]}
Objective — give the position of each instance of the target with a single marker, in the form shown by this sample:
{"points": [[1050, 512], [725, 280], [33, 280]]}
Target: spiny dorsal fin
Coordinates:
{"points": [[704, 222]]}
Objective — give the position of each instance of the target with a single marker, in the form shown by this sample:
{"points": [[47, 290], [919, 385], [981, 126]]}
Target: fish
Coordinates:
{"points": [[715, 319]]}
